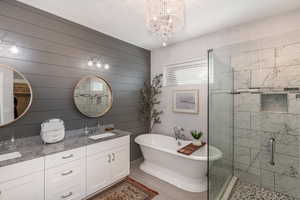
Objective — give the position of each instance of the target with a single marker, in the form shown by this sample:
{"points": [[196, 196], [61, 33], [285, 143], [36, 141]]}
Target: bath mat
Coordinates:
{"points": [[128, 189], [190, 148]]}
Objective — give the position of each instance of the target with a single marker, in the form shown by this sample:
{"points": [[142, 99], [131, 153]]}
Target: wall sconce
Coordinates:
{"points": [[106, 66], [90, 63], [12, 47], [96, 61], [98, 64]]}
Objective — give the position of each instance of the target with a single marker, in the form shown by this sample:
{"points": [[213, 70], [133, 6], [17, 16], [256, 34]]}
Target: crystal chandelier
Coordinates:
{"points": [[165, 17]]}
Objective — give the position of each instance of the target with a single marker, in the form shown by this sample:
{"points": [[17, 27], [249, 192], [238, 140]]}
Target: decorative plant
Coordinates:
{"points": [[150, 100], [196, 134]]}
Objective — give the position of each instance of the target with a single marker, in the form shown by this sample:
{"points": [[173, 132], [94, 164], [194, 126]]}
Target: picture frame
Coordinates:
{"points": [[186, 101]]}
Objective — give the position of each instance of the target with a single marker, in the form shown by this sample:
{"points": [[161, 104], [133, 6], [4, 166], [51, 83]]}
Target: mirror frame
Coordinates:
{"points": [[109, 88], [31, 95]]}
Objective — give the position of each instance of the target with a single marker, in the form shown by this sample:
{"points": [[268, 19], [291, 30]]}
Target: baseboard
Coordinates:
{"points": [[137, 161]]}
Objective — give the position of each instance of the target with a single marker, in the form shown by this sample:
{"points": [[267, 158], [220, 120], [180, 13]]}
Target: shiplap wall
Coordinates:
{"points": [[53, 57]]}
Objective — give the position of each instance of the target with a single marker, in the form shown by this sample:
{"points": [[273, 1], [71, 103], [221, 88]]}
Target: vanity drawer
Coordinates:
{"points": [[30, 187], [107, 145], [64, 157], [72, 172], [72, 192], [21, 169], [60, 178]]}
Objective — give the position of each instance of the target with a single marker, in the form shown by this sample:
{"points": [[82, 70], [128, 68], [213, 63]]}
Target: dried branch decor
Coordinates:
{"points": [[150, 100]]}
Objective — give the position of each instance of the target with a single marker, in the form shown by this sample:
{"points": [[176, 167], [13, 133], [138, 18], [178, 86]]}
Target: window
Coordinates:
{"points": [[190, 72]]}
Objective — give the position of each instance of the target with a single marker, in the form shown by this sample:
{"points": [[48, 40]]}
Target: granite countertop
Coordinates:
{"points": [[33, 147]]}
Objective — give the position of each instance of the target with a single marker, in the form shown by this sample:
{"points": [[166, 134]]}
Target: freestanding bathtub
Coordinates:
{"points": [[162, 160]]}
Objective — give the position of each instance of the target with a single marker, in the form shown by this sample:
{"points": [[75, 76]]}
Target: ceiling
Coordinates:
{"points": [[125, 19]]}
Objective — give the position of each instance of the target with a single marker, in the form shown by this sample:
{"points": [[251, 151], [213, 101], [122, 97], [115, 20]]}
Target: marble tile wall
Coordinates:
{"points": [[270, 66]]}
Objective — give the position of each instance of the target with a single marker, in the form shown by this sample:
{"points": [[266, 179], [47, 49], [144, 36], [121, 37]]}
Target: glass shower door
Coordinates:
{"points": [[220, 131]]}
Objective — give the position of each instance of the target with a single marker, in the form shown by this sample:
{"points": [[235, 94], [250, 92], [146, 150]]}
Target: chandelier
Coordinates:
{"points": [[165, 17]]}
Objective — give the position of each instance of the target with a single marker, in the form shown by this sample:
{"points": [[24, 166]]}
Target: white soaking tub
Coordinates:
{"points": [[162, 160]]}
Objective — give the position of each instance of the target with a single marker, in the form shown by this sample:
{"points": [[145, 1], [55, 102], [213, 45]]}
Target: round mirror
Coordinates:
{"points": [[15, 95], [93, 96]]}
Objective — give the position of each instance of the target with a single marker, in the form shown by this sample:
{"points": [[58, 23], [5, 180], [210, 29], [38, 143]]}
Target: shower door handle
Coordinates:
{"points": [[272, 142]]}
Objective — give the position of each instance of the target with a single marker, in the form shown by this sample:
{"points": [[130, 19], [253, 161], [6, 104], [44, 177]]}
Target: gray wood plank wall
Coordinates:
{"points": [[53, 57]]}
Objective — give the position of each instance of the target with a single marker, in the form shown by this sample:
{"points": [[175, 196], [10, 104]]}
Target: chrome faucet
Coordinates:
{"points": [[92, 131], [178, 135]]}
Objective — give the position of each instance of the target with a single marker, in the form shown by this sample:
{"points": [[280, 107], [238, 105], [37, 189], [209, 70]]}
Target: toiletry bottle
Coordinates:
{"points": [[86, 128], [12, 144], [99, 126]]}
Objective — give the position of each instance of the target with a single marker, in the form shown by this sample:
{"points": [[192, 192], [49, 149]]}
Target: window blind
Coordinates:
{"points": [[190, 72]]}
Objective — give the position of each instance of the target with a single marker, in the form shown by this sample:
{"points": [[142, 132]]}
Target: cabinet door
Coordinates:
{"points": [[28, 187], [98, 172], [120, 163]]}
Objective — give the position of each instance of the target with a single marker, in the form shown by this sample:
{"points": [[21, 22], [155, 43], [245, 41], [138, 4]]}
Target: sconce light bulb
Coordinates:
{"points": [[14, 49], [164, 44], [99, 65], [90, 63], [106, 66]]}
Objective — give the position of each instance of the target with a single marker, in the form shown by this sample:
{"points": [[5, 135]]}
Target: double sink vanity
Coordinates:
{"points": [[56, 165], [73, 169]]}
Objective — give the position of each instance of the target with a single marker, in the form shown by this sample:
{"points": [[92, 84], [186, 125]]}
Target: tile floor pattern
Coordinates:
{"points": [[246, 191], [166, 191]]}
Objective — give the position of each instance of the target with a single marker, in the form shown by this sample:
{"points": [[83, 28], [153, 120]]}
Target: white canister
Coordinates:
{"points": [[52, 131]]}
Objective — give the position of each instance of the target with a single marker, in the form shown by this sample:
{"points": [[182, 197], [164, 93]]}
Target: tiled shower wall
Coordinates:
{"points": [[272, 62]]}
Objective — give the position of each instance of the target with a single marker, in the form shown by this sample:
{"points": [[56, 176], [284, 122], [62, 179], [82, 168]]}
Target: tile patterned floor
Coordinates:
{"points": [[245, 191]]}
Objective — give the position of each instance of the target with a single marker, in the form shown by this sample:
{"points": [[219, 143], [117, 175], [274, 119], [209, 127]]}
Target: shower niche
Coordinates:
{"points": [[274, 103]]}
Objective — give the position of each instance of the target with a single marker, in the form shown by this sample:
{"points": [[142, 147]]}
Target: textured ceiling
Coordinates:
{"points": [[125, 19]]}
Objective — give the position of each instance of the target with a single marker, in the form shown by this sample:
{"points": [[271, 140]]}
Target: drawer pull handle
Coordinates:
{"points": [[67, 173], [272, 141], [67, 195], [66, 157], [114, 157]]}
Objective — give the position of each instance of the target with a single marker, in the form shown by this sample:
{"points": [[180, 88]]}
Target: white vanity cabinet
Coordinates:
{"points": [[23, 180], [65, 175], [68, 175], [120, 163], [107, 163], [27, 187], [98, 172]]}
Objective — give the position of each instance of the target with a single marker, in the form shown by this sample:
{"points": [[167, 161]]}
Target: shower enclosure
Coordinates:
{"points": [[254, 114], [220, 121]]}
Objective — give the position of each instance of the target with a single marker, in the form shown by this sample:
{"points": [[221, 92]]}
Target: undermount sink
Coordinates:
{"points": [[9, 156], [101, 136]]}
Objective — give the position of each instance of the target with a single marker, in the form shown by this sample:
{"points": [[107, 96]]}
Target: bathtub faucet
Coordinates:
{"points": [[178, 135]]}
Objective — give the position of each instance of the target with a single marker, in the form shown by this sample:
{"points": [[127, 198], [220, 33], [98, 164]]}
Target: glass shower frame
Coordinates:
{"points": [[220, 122]]}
